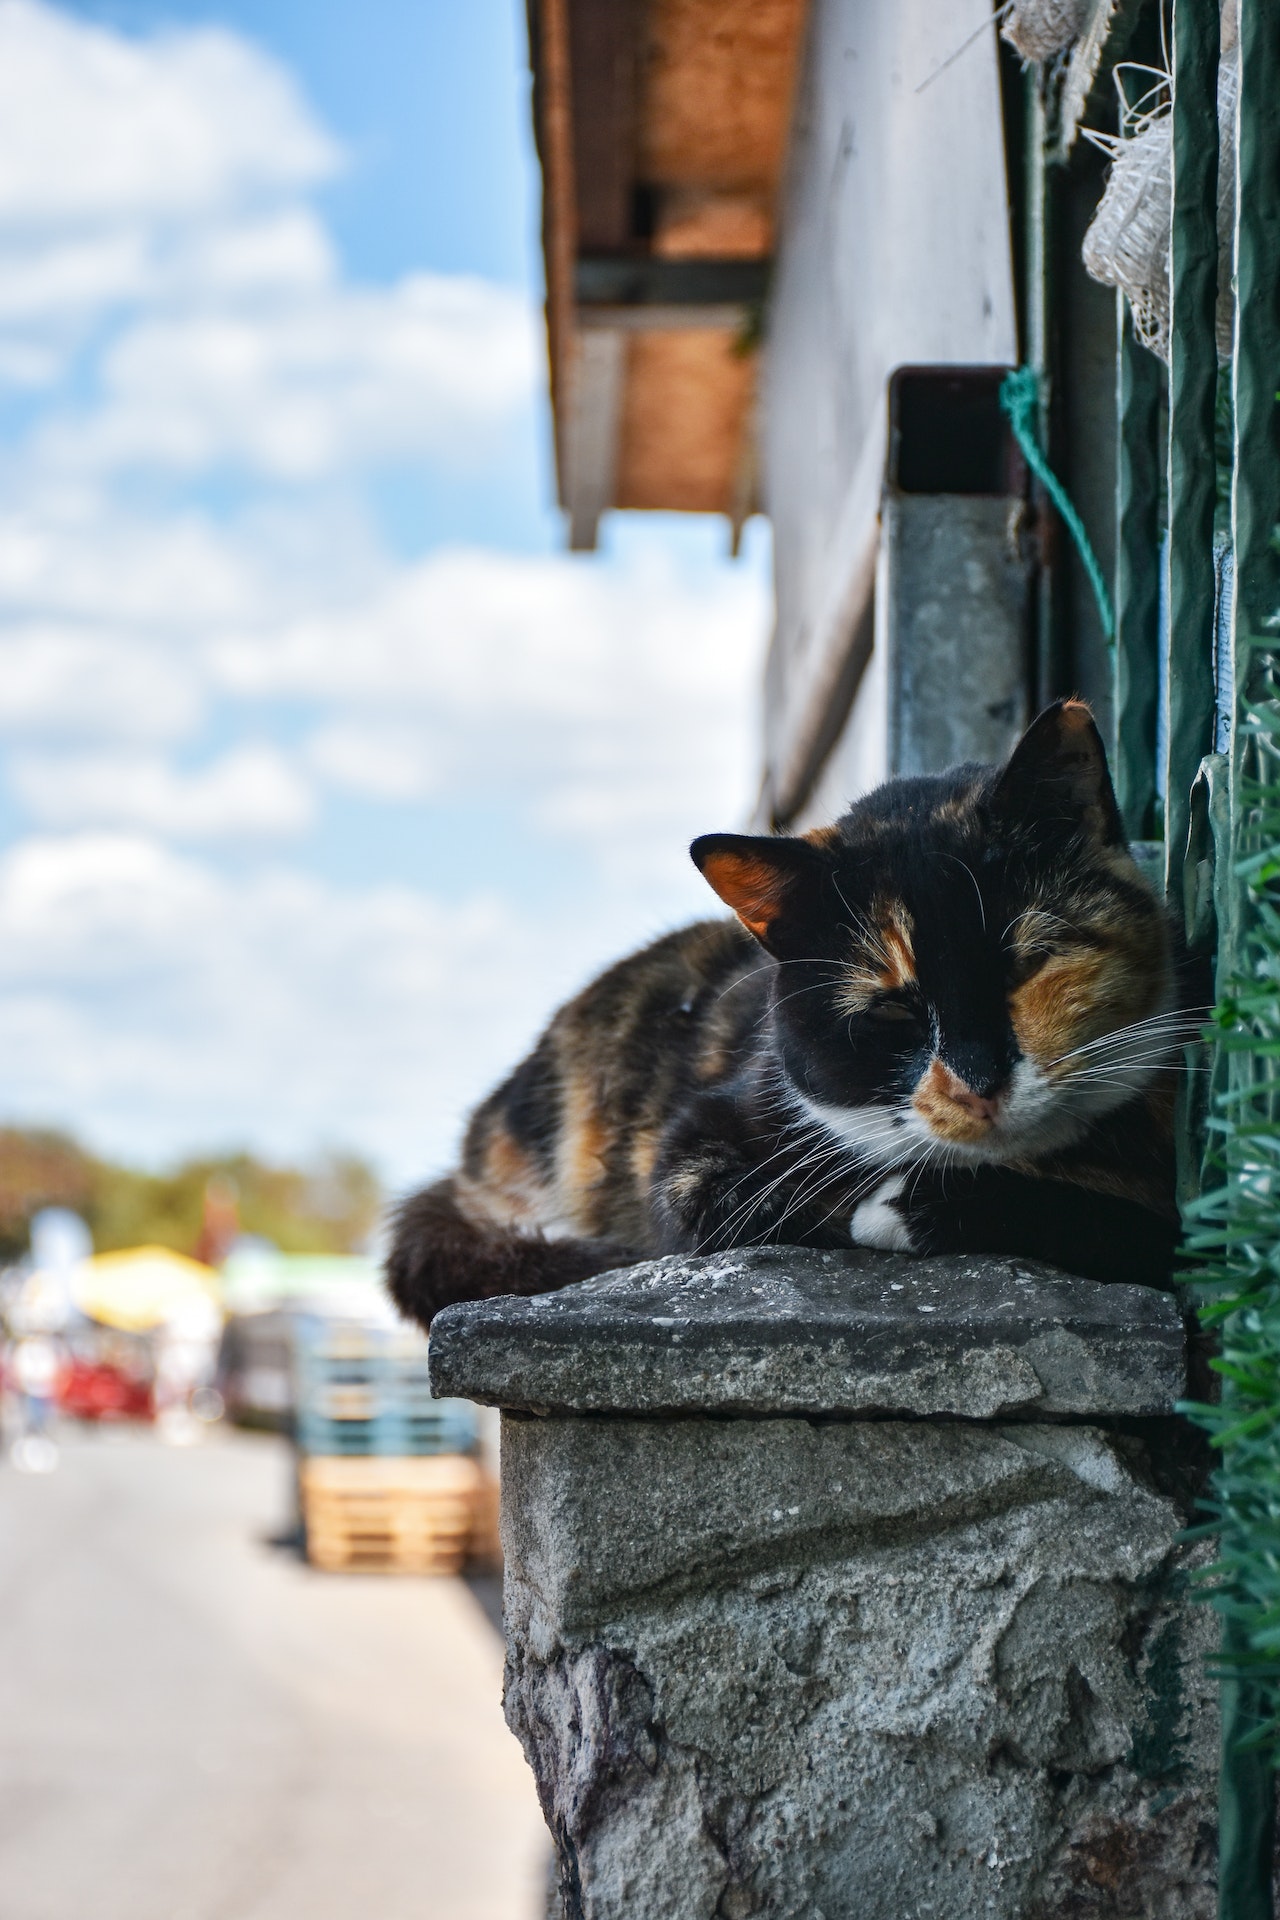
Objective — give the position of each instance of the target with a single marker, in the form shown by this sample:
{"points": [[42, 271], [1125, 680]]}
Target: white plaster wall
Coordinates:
{"points": [[894, 251], [860, 758]]}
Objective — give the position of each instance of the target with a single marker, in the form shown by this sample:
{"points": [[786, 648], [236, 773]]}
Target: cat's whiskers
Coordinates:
{"points": [[931, 1153], [931, 1150], [865, 932], [823, 985], [807, 1193], [1171, 1025], [941, 854], [873, 1178], [818, 986], [817, 1166], [1096, 1075], [789, 1147], [1131, 1054], [815, 1156], [771, 966], [874, 1173]]}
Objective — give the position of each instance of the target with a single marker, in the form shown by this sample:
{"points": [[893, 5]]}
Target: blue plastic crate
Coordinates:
{"points": [[361, 1389], [449, 1428]]}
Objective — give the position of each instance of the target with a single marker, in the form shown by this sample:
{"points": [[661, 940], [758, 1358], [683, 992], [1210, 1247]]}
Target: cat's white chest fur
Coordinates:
{"points": [[876, 1221]]}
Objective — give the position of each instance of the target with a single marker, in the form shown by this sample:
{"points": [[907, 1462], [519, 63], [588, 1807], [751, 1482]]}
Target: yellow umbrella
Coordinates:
{"points": [[144, 1287]]}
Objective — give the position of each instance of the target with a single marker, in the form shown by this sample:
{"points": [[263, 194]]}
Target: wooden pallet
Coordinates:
{"points": [[376, 1514], [486, 1546]]}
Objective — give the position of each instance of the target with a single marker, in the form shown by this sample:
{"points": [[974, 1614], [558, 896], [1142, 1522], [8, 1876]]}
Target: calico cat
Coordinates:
{"points": [[946, 1023]]}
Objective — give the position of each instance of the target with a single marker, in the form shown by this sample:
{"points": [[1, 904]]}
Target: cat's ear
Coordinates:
{"points": [[769, 883], [1057, 775]]}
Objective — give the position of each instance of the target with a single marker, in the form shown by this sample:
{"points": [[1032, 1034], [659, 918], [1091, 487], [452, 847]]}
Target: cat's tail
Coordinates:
{"points": [[438, 1256]]}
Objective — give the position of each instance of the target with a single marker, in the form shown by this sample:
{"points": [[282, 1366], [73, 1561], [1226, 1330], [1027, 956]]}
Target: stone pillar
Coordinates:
{"points": [[849, 1587]]}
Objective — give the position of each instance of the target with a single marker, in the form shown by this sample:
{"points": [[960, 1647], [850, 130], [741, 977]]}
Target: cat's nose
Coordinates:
{"points": [[953, 1107], [981, 1106], [976, 1077]]}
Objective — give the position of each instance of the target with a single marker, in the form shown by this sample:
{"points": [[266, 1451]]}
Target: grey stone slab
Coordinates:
{"points": [[784, 1330]]}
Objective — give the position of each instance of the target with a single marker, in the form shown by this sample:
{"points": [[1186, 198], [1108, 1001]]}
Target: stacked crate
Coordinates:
{"points": [[388, 1481]]}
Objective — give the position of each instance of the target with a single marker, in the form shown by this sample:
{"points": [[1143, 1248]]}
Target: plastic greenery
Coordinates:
{"points": [[1234, 1233]]}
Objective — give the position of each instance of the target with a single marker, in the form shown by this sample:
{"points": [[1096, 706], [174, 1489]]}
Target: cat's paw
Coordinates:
{"points": [[878, 1221]]}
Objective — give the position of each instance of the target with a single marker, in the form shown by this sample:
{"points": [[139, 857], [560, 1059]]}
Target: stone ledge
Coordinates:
{"points": [[785, 1331]]}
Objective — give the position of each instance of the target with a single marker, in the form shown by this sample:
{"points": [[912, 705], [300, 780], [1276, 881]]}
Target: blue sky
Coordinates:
{"points": [[324, 772], [430, 100], [430, 103]]}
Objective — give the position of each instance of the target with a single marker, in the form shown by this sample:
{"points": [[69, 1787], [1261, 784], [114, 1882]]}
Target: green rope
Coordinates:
{"points": [[1020, 400]]}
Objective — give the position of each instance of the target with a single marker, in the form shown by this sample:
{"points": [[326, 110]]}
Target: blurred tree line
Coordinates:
{"points": [[331, 1207]]}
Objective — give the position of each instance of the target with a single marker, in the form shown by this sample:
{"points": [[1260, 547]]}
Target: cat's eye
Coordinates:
{"points": [[896, 1011], [1026, 961]]}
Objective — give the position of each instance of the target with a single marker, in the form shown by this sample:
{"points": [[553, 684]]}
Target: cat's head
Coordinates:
{"points": [[970, 965]]}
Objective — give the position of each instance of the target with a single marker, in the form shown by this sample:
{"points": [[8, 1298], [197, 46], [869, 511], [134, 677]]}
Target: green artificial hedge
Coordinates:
{"points": [[1234, 1239]]}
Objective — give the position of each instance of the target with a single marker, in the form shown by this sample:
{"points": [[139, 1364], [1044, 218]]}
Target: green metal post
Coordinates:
{"points": [[1255, 492], [1193, 367], [1247, 1815], [1137, 586]]}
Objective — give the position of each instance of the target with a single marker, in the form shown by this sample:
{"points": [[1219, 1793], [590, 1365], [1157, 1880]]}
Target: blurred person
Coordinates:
{"points": [[186, 1358], [35, 1363], [220, 1220]]}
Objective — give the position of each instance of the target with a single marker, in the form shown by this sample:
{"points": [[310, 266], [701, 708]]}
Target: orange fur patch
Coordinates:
{"points": [[753, 888], [935, 1101], [644, 1154], [585, 1140], [1075, 717], [1076, 997], [885, 962], [506, 1164], [900, 957], [509, 1193]]}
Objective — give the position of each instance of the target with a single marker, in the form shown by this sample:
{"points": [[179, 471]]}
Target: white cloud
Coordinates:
{"points": [[57, 276], [72, 908], [614, 699], [619, 698], [29, 363], [161, 183], [155, 1001], [96, 127], [385, 761], [250, 793], [51, 276], [77, 557], [57, 288], [60, 681], [302, 389], [280, 253]]}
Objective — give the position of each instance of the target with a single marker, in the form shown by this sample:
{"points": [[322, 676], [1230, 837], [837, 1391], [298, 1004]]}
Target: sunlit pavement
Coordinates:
{"points": [[195, 1726]]}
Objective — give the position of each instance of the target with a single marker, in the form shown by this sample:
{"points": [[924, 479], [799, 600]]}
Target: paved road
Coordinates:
{"points": [[194, 1726]]}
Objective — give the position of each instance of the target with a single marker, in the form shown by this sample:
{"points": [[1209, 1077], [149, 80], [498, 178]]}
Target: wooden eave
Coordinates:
{"points": [[662, 128]]}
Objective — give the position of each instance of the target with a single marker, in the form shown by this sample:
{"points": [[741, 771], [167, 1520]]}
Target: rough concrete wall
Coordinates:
{"points": [[857, 1670]]}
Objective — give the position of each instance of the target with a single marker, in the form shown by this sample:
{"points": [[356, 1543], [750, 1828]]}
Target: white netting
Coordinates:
{"points": [[1039, 29], [1127, 245]]}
